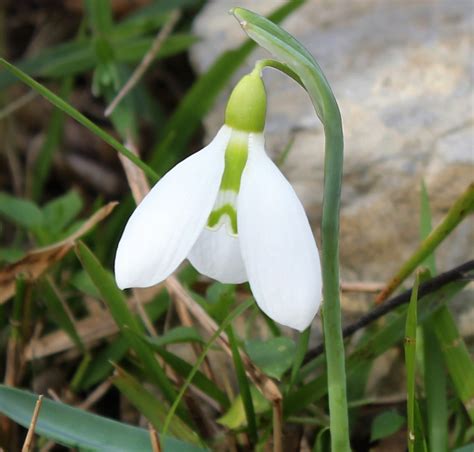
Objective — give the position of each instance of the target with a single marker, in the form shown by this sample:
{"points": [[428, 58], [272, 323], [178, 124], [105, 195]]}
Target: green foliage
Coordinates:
{"points": [[274, 356], [235, 417], [77, 428], [386, 424], [22, 212], [161, 371]]}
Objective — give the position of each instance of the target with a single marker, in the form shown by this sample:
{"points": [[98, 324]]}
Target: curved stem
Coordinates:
{"points": [[260, 65], [300, 65]]}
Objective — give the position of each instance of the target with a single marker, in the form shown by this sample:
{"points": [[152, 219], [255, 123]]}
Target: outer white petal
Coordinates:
{"points": [[277, 243], [167, 223], [217, 254]]}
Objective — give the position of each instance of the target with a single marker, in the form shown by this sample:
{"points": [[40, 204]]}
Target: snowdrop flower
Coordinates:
{"points": [[231, 212]]}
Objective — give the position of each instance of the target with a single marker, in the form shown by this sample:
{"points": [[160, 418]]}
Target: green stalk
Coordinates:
{"points": [[435, 379], [301, 63], [410, 362]]}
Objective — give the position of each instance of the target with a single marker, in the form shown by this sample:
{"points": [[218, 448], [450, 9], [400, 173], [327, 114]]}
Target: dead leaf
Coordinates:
{"points": [[36, 262]]}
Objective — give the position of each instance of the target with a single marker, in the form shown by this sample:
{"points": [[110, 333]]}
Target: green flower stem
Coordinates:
{"points": [[79, 117], [299, 64]]}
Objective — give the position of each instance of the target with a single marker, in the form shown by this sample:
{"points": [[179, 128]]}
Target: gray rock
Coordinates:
{"points": [[402, 72]]}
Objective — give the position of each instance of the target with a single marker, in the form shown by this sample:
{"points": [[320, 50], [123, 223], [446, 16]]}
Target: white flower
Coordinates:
{"points": [[232, 213]]}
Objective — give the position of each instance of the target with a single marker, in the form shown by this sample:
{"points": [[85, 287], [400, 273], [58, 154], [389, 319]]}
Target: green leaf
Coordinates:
{"points": [[274, 356], [60, 212], [20, 211], [219, 298], [126, 321], [72, 427], [466, 448], [235, 417], [10, 255], [435, 378], [386, 424], [83, 282], [410, 363], [244, 386], [100, 367], [456, 357]]}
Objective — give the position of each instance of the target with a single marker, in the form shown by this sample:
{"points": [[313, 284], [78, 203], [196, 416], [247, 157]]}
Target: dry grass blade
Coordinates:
{"points": [[27, 445], [154, 439], [137, 180], [277, 426], [36, 262], [18, 103], [147, 60]]}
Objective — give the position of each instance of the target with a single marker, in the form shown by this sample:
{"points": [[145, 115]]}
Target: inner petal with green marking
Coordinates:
{"points": [[225, 207]]}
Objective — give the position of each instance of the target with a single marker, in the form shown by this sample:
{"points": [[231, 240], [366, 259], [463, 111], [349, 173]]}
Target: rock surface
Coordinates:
{"points": [[402, 72]]}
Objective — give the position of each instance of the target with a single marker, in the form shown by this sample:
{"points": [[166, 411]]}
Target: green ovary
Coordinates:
{"points": [[235, 159]]}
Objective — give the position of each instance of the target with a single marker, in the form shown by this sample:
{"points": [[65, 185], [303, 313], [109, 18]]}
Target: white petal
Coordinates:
{"points": [[217, 254], [167, 223], [277, 244]]}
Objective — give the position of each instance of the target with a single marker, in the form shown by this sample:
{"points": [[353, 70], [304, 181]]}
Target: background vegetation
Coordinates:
{"points": [[193, 360]]}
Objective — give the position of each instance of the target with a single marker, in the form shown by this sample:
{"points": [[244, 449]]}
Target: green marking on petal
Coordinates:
{"points": [[218, 216], [235, 159]]}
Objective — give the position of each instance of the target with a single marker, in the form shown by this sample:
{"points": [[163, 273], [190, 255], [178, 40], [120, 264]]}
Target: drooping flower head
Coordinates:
{"points": [[231, 212]]}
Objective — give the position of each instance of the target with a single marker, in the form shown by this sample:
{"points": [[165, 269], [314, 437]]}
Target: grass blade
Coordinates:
{"points": [[124, 318], [60, 312], [79, 117], [456, 357], [76, 428], [435, 380], [244, 386], [151, 407], [410, 363], [301, 349]]}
